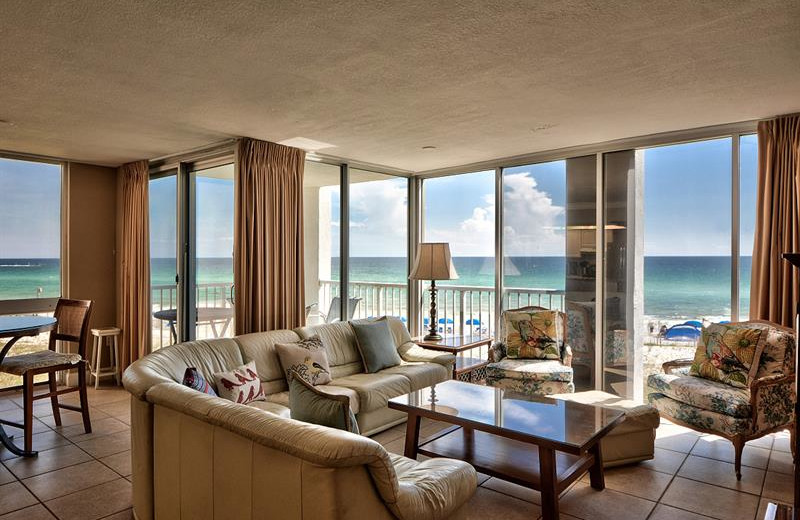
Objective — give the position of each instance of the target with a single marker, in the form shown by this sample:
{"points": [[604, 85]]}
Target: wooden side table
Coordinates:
{"points": [[468, 365]]}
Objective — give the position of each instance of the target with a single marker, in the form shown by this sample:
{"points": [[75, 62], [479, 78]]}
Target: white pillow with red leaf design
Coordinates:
{"points": [[240, 385]]}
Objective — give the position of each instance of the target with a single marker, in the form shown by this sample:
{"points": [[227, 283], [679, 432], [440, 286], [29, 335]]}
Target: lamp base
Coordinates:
{"points": [[433, 337]]}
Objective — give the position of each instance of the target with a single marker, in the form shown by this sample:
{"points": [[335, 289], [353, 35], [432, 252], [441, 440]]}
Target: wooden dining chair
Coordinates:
{"points": [[73, 327]]}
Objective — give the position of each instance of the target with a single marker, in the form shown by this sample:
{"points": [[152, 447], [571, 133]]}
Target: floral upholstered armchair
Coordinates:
{"points": [[752, 408], [531, 355]]}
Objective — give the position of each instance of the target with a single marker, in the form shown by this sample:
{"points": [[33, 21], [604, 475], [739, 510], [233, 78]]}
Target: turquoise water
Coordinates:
{"points": [[693, 286]]}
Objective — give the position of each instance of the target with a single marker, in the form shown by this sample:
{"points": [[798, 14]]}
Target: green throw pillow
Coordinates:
{"points": [[311, 405], [376, 344]]}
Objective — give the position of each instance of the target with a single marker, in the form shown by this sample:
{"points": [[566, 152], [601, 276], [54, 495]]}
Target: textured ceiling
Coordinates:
{"points": [[109, 82]]}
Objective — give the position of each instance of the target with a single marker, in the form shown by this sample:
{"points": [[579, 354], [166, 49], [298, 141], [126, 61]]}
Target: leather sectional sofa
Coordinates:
{"points": [[198, 456]]}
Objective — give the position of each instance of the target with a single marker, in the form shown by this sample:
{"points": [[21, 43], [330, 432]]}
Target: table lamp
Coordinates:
{"points": [[433, 262]]}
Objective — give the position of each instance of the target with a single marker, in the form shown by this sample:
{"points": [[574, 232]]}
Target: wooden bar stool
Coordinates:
{"points": [[106, 336]]}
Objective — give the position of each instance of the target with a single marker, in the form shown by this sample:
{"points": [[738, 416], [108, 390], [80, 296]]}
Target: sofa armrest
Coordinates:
{"points": [[772, 400], [433, 489], [675, 364], [414, 353]]}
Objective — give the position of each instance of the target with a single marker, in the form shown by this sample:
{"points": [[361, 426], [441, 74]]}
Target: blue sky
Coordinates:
{"points": [[687, 208]]}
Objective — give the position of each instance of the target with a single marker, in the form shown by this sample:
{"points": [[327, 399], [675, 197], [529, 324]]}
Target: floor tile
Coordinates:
{"points": [[781, 462], [722, 449], [665, 461], [69, 480], [778, 486], [107, 445], [637, 481], [8, 403], [72, 418], [122, 515], [36, 512], [6, 476], [514, 490], [491, 504], [663, 512], [100, 428], [762, 442], [722, 474], [49, 460], [713, 501], [782, 443], [14, 496], [84, 505], [393, 433], [585, 502], [41, 441], [676, 438], [119, 409], [119, 462]]}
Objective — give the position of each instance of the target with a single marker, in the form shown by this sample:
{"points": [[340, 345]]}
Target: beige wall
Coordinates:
{"points": [[90, 268]]}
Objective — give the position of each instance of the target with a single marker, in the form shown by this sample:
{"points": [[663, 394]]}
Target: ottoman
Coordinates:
{"points": [[634, 439]]}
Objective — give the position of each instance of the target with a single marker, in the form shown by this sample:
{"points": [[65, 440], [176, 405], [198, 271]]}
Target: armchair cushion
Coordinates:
{"points": [[533, 369], [729, 354], [536, 334], [699, 418], [704, 394]]}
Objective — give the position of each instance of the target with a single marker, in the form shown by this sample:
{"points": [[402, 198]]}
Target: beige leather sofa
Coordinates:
{"points": [[197, 456]]}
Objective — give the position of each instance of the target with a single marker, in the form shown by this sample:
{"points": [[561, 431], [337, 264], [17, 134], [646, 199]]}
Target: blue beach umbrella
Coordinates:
{"points": [[694, 323], [473, 321], [682, 333], [448, 321]]}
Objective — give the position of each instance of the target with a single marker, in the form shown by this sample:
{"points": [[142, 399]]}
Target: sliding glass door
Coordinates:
{"points": [[164, 295]]}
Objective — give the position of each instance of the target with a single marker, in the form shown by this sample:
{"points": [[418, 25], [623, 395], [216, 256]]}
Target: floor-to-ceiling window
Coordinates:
{"points": [[460, 211], [748, 185], [30, 244], [378, 244], [687, 245], [163, 260], [213, 239], [321, 242]]}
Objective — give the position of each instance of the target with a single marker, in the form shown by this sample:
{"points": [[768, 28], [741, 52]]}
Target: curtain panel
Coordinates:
{"points": [[134, 297], [773, 285], [268, 237]]}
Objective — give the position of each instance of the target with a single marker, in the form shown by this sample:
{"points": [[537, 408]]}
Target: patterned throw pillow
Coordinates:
{"points": [[728, 354], [240, 385], [194, 379], [310, 404], [307, 358], [533, 334]]}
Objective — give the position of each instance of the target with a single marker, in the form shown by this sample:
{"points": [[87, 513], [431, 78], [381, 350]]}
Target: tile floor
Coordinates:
{"points": [[79, 476]]}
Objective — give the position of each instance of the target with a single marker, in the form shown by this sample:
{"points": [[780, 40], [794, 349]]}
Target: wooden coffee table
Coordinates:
{"points": [[537, 442]]}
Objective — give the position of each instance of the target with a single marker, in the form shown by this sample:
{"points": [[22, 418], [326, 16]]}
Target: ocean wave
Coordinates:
{"points": [[20, 265]]}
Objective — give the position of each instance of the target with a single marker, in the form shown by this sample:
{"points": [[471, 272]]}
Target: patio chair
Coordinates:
{"points": [[335, 313], [737, 414], [530, 376]]}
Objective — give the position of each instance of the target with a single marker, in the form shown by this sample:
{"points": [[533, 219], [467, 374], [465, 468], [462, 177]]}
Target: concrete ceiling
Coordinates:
{"points": [[109, 82]]}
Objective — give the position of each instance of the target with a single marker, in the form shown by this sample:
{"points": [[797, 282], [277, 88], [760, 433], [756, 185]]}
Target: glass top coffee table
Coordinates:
{"points": [[537, 442]]}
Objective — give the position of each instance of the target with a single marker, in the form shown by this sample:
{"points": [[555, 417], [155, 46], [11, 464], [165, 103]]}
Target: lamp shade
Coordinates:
{"points": [[433, 262]]}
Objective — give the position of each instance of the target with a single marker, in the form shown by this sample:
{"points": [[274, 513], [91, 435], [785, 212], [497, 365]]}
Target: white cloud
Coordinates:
{"points": [[378, 218], [531, 225]]}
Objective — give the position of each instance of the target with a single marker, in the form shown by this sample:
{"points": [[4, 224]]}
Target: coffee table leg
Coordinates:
{"points": [[412, 435], [547, 471], [596, 477]]}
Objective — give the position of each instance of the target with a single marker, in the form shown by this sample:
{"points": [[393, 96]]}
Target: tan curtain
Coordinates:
{"points": [[773, 286], [268, 237], [134, 297]]}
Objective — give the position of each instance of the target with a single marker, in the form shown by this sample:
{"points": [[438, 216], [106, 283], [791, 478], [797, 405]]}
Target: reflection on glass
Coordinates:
{"points": [[163, 263], [321, 210], [215, 294], [378, 261], [748, 182], [459, 210]]}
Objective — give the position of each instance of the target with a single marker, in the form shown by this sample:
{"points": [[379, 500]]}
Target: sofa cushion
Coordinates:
{"points": [[260, 348], [338, 338], [376, 345], [698, 417], [421, 375], [533, 369], [282, 398], [240, 385], [729, 354], [308, 404], [703, 393], [272, 407], [307, 358], [375, 390]]}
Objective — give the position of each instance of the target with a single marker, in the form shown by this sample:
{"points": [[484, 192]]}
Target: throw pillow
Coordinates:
{"points": [[376, 345], [194, 379], [307, 358], [534, 334], [309, 404], [728, 354], [240, 385]]}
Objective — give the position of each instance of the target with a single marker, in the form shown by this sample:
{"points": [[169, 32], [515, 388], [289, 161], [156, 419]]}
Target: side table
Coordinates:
{"points": [[469, 365]]}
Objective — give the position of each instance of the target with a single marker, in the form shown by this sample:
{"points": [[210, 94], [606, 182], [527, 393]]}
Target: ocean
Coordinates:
{"points": [[675, 286]]}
